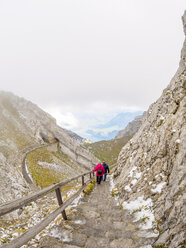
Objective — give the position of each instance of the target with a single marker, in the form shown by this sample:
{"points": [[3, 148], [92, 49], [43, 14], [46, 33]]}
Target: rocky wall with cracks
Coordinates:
{"points": [[152, 164]]}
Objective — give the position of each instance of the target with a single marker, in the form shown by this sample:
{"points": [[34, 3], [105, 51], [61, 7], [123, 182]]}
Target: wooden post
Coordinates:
{"points": [[83, 182], [60, 202]]}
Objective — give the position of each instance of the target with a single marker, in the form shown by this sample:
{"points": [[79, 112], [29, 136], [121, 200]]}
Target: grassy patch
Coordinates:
{"points": [[161, 246], [120, 206], [44, 177], [112, 239], [4, 240], [90, 187], [108, 150], [144, 219], [115, 192], [61, 156], [136, 210]]}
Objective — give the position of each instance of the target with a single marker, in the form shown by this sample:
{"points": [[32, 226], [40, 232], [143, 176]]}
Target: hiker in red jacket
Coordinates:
{"points": [[100, 171]]}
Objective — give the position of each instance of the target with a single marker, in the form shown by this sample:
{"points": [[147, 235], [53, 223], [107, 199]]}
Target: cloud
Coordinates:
{"points": [[86, 51], [104, 132], [66, 120], [83, 119], [89, 59]]}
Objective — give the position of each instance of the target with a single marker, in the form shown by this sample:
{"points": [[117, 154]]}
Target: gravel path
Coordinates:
{"points": [[97, 222]]}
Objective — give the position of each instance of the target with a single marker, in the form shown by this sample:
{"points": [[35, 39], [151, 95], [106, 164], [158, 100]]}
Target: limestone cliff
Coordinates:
{"points": [[152, 165], [23, 126]]}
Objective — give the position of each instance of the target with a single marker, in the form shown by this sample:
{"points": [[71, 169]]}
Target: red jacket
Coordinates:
{"points": [[99, 167]]}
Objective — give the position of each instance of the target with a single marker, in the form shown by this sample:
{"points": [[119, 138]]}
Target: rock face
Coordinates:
{"points": [[131, 128], [74, 136], [152, 164], [24, 126]]}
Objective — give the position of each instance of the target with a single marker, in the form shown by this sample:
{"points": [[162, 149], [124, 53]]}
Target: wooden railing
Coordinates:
{"points": [[16, 204]]}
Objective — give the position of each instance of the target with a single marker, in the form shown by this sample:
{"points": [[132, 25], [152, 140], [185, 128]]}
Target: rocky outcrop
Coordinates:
{"points": [[131, 128], [24, 126], [74, 136], [152, 165]]}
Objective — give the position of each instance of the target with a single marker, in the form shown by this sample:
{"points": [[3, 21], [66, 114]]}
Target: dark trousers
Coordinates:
{"points": [[99, 178], [105, 176]]}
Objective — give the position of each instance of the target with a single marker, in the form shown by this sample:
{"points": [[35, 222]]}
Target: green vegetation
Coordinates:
{"points": [[136, 210], [177, 148], [44, 177], [90, 187], [112, 239], [115, 192], [108, 150], [61, 156], [4, 240], [120, 206], [160, 246], [135, 238], [14, 226], [144, 218]]}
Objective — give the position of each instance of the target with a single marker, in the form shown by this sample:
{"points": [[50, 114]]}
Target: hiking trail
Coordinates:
{"points": [[97, 221]]}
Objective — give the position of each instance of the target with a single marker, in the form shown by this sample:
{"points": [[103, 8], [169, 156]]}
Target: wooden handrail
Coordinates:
{"points": [[16, 204], [28, 235]]}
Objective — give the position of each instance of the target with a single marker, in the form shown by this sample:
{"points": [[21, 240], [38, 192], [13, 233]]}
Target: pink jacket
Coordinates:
{"points": [[99, 167]]}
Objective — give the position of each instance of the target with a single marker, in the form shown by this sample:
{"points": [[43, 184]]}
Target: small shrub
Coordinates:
{"points": [[144, 218], [120, 206], [177, 148], [111, 239], [115, 192], [89, 187], [136, 210], [4, 240], [160, 246]]}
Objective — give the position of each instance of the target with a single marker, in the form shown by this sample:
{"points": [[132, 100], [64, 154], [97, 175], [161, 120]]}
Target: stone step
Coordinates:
{"points": [[98, 222]]}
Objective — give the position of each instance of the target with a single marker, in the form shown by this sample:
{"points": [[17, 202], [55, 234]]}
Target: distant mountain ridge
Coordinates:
{"points": [[121, 119], [132, 127], [110, 129]]}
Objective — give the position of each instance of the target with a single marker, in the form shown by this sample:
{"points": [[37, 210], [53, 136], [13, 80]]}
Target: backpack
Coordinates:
{"points": [[100, 172]]}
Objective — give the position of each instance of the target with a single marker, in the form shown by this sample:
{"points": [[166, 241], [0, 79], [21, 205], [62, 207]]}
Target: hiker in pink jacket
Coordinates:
{"points": [[99, 172]]}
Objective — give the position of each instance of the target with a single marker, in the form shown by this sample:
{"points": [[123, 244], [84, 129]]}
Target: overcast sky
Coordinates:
{"points": [[75, 57]]}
